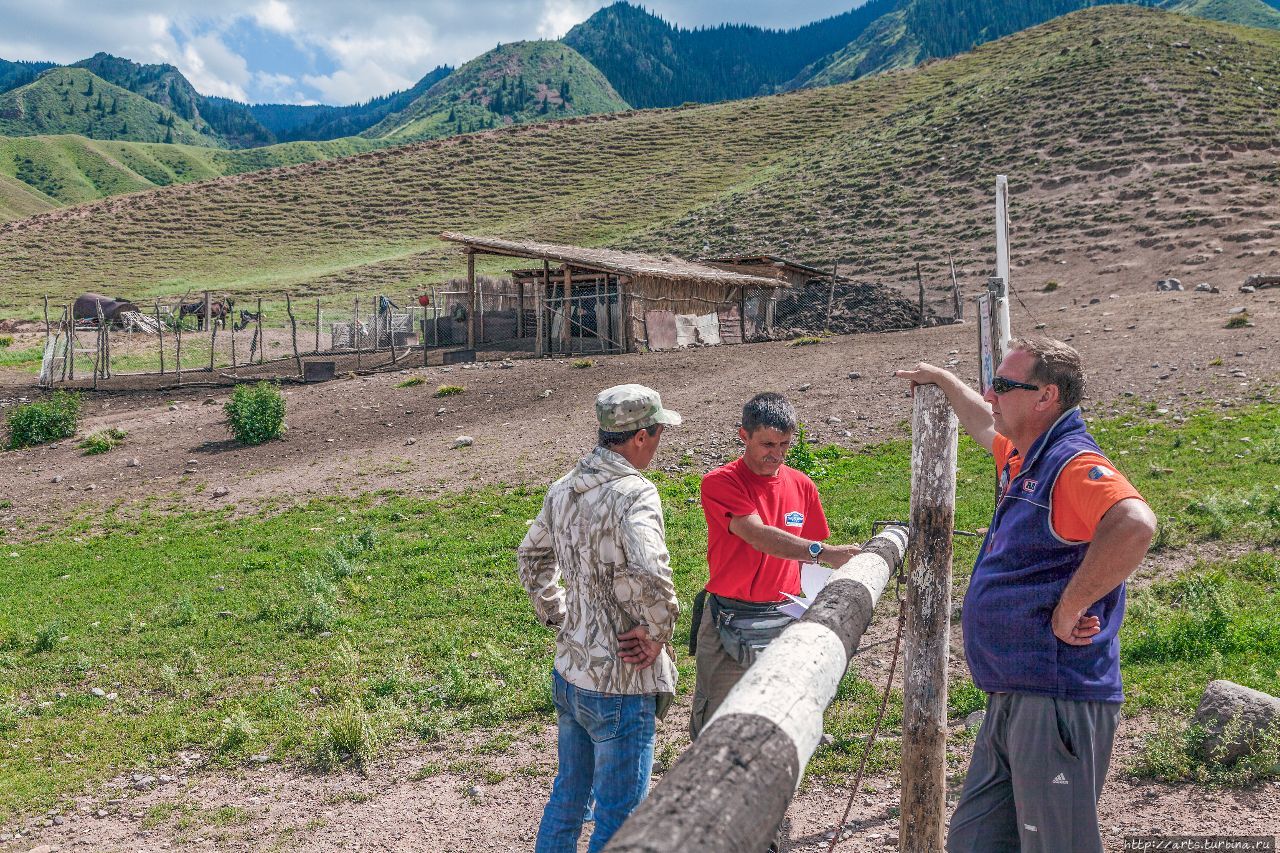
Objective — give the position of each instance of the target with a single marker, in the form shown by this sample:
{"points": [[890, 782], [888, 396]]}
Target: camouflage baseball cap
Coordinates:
{"points": [[624, 408]]}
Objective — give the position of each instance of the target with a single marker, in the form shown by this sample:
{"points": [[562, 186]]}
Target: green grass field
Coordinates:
{"points": [[317, 632]]}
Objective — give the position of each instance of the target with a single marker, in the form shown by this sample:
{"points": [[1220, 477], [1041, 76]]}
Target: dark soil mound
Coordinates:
{"points": [[856, 308]]}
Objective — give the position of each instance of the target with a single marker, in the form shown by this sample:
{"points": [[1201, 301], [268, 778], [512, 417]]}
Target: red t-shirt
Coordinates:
{"points": [[788, 500], [1088, 486]]}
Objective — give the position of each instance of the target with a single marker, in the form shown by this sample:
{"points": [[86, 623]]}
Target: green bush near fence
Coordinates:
{"points": [[255, 413], [44, 421]]}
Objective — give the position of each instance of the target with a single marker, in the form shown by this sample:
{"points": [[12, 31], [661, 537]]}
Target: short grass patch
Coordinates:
{"points": [[323, 632], [449, 391], [412, 382], [102, 442]]}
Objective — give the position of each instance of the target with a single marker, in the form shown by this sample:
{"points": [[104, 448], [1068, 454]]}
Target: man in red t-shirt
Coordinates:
{"points": [[763, 519]]}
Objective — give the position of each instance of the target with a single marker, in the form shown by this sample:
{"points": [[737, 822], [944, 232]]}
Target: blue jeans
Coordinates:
{"points": [[605, 750]]}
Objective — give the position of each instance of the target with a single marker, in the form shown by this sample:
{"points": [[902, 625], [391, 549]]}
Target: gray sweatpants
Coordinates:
{"points": [[1035, 778]]}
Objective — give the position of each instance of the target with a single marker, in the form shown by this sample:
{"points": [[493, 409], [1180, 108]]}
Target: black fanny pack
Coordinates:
{"points": [[744, 628]]}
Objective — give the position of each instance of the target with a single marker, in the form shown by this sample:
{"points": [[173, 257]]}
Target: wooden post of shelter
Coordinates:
{"points": [[435, 318], [831, 296], [730, 790], [99, 346], [160, 333], [920, 281], [926, 637], [542, 302], [566, 328], [293, 332], [471, 299]]}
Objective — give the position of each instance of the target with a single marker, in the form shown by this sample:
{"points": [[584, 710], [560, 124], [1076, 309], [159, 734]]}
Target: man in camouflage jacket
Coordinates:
{"points": [[596, 567]]}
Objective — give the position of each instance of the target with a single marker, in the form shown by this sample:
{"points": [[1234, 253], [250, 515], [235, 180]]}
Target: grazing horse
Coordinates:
{"points": [[219, 311], [246, 317]]}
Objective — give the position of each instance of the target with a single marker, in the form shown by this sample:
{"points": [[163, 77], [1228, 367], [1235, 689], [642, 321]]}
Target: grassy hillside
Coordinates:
{"points": [[74, 100], [1251, 13], [890, 170], [928, 29], [512, 84], [45, 172]]}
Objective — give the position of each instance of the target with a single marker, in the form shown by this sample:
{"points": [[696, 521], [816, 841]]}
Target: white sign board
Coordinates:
{"points": [[986, 344]]}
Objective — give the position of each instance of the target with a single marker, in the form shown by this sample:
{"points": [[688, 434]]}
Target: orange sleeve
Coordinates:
{"points": [[1088, 486], [1001, 448]]}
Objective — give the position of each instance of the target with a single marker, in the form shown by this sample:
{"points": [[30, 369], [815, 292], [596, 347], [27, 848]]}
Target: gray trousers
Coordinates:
{"points": [[717, 673], [1036, 774]]}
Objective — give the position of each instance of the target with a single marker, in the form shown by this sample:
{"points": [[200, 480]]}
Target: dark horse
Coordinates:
{"points": [[219, 311]]}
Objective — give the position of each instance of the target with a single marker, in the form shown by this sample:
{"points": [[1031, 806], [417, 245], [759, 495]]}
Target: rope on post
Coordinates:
{"points": [[731, 788]]}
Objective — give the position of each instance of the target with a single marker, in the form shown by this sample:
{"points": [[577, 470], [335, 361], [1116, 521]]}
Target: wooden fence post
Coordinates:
{"points": [[262, 341], [293, 331], [920, 281], [71, 345], [730, 790], [473, 301], [831, 296], [926, 637], [160, 333], [957, 302]]}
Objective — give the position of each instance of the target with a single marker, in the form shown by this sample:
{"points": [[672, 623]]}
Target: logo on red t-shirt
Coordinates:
{"points": [[794, 519]]}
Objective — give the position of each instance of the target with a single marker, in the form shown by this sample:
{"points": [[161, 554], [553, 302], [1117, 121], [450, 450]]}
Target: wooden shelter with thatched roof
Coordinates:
{"points": [[605, 300]]}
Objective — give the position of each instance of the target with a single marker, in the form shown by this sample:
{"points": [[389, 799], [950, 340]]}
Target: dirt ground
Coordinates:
{"points": [[529, 422]]}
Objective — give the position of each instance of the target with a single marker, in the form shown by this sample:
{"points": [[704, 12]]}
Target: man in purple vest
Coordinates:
{"points": [[1044, 606]]}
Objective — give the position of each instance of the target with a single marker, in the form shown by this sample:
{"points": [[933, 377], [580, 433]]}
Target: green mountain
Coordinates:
{"points": [[1251, 13], [74, 100], [919, 30], [231, 123], [517, 83], [39, 173], [1134, 139], [654, 64], [15, 74], [290, 122]]}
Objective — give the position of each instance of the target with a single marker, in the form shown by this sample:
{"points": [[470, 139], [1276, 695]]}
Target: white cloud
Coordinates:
{"points": [[559, 16], [275, 15], [350, 85], [215, 69]]}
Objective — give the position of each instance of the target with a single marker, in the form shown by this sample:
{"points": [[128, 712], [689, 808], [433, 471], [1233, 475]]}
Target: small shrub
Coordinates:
{"points": [[1050, 286], [448, 390], [801, 455], [235, 732], [581, 363], [44, 421], [6, 341], [1216, 362], [346, 737], [101, 442], [47, 637], [1174, 752], [255, 413], [805, 341], [412, 382], [1239, 321]]}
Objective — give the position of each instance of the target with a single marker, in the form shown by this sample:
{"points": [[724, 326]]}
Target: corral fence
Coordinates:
{"points": [[217, 340]]}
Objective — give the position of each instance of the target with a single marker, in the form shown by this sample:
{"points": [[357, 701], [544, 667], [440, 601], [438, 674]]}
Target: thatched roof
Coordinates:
{"points": [[612, 261]]}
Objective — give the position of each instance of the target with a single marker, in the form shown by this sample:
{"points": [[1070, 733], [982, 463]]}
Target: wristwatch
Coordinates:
{"points": [[815, 550]]}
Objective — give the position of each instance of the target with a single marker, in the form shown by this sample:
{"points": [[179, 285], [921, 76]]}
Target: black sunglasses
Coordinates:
{"points": [[1002, 386]]}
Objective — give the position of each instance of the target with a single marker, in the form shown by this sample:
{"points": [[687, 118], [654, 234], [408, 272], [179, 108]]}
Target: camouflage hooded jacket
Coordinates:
{"points": [[595, 565]]}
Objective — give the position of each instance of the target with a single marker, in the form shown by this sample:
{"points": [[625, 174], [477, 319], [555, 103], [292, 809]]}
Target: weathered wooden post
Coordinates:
{"points": [[920, 281], [831, 296], [926, 634], [293, 329], [71, 342], [160, 333], [730, 790], [956, 300], [262, 342], [566, 327]]}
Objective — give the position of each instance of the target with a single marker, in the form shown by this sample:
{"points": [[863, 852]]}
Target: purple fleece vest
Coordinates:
{"points": [[1020, 574]]}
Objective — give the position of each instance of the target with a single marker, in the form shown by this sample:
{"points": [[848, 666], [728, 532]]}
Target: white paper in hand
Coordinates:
{"points": [[813, 578]]}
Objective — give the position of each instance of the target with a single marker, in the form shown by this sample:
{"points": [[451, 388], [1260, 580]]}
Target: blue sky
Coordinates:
{"points": [[328, 51]]}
